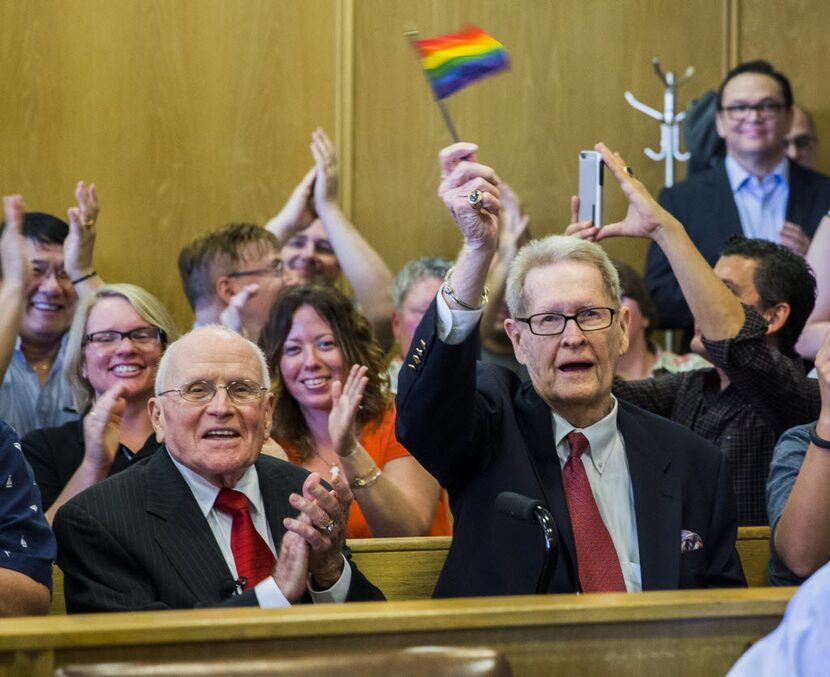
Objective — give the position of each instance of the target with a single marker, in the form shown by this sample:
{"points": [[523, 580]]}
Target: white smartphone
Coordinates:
{"points": [[590, 186]]}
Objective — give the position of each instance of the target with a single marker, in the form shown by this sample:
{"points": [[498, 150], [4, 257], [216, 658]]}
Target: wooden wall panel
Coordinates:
{"points": [[187, 114], [792, 34], [192, 113], [571, 63]]}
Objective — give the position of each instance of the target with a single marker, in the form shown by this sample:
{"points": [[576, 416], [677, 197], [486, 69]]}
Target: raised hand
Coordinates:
{"points": [[513, 223], [645, 217], [326, 170], [231, 317], [793, 237], [345, 403], [15, 264], [298, 213], [79, 245], [585, 229], [291, 570], [102, 432], [460, 176]]}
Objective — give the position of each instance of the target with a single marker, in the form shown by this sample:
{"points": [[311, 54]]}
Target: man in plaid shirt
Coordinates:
{"points": [[758, 387]]}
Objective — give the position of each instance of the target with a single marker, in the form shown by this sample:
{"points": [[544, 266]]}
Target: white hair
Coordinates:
{"points": [[553, 249]]}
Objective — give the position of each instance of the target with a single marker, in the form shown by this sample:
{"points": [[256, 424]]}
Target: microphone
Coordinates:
{"points": [[533, 510], [232, 586]]}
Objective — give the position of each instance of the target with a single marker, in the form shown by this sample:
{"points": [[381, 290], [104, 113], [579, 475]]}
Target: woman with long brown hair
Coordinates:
{"points": [[334, 414]]}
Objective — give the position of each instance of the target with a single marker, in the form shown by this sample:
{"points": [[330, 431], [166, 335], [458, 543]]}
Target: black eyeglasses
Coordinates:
{"points": [[202, 392], [551, 324], [765, 109], [276, 267], [138, 336]]}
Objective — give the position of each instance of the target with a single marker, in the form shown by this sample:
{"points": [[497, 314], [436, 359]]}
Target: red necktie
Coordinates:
{"points": [[597, 561], [254, 559]]}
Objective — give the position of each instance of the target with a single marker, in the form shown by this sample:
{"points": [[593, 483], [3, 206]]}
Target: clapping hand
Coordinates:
{"points": [[322, 524], [102, 433], [79, 245], [346, 398], [15, 264]]}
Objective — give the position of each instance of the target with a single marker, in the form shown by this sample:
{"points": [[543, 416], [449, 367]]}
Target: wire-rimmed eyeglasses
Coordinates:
{"points": [[243, 391]]}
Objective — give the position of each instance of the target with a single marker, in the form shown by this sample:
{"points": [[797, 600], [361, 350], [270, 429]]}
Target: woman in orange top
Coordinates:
{"points": [[334, 415]]}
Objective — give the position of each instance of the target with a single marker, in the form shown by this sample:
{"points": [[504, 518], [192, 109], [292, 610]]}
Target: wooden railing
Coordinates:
{"points": [[689, 632], [407, 568]]}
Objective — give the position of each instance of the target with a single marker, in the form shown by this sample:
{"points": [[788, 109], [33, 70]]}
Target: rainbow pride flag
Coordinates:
{"points": [[454, 61]]}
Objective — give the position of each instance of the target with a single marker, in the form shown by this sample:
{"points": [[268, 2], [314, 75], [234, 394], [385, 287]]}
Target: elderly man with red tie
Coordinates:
{"points": [[206, 520]]}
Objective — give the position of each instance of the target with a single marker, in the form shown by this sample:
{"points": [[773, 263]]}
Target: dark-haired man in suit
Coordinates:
{"points": [[640, 503], [200, 521], [756, 191]]}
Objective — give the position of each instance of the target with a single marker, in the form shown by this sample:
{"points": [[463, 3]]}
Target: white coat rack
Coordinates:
{"points": [[669, 120]]}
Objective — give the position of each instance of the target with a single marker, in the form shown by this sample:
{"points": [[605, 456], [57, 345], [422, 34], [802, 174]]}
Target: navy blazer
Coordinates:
{"points": [[480, 431], [139, 541], [704, 204]]}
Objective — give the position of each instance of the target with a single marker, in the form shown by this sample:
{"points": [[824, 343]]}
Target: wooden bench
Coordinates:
{"points": [[407, 568], [686, 632]]}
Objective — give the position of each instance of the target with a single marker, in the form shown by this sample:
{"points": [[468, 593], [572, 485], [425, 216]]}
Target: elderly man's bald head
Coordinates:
{"points": [[212, 407], [206, 335]]}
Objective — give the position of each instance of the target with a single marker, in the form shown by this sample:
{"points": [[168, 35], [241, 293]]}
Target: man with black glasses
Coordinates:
{"points": [[639, 502], [207, 520], [232, 276], [756, 191]]}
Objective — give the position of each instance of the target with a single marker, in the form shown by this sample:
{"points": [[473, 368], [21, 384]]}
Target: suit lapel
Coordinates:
{"points": [[275, 491], [657, 504], [801, 196], [184, 535], [727, 219], [535, 421]]}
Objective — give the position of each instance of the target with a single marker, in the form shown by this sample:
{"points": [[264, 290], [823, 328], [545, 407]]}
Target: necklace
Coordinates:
{"points": [[43, 366], [334, 469]]}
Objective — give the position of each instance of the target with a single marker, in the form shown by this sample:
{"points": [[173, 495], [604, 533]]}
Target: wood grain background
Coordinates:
{"points": [[189, 114]]}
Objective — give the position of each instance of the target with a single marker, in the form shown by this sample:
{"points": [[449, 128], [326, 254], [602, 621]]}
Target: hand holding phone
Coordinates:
{"points": [[590, 186]]}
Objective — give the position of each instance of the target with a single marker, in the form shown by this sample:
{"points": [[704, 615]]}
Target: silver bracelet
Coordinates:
{"points": [[449, 291]]}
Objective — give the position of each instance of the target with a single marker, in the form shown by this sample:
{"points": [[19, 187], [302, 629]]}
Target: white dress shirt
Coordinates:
{"points": [[605, 462], [267, 592], [762, 204], [607, 469]]}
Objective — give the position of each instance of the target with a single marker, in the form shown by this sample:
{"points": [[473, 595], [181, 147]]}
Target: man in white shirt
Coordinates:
{"points": [[165, 534], [639, 502]]}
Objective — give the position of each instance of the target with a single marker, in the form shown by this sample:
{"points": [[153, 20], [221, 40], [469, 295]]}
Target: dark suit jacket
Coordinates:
{"points": [[56, 453], [480, 431], [138, 541], [705, 206]]}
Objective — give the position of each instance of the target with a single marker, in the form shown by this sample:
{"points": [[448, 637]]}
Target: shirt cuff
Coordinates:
{"points": [[338, 592], [269, 595], [455, 326]]}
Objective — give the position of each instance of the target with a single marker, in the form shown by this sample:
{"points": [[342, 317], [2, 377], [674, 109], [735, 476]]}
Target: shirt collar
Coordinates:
{"points": [[601, 436], [739, 177], [205, 493]]}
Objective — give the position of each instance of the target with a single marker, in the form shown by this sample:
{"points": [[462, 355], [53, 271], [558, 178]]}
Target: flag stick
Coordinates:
{"points": [[412, 36]]}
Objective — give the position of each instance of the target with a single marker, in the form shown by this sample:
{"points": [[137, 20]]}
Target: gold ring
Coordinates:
{"points": [[89, 222], [327, 529], [475, 198]]}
